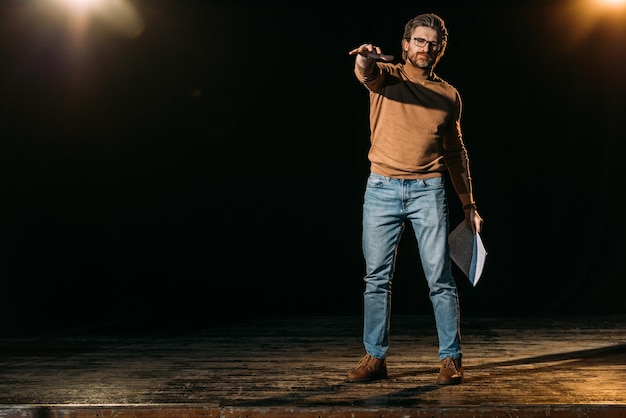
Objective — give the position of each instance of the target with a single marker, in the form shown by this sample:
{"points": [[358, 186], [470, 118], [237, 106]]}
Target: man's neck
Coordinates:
{"points": [[418, 73]]}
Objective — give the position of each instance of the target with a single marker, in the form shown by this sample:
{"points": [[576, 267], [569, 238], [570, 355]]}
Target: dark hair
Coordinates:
{"points": [[430, 20]]}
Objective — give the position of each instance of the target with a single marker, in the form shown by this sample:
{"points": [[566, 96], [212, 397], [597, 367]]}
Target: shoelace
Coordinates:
{"points": [[449, 364], [367, 362]]}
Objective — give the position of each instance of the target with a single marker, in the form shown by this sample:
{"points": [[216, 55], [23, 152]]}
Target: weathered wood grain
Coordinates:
{"points": [[297, 366]]}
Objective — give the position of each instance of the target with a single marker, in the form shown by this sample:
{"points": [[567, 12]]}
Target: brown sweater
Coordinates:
{"points": [[415, 125]]}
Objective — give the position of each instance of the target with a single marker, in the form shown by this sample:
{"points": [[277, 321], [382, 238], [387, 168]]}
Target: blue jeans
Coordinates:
{"points": [[388, 203]]}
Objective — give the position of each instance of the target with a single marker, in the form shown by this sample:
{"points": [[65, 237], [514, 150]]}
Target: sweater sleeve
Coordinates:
{"points": [[369, 76], [456, 157]]}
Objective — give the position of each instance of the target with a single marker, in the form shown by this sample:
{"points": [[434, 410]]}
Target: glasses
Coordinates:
{"points": [[421, 42]]}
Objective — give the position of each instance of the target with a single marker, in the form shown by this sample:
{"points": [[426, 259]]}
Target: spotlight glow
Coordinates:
{"points": [[576, 20], [610, 5], [119, 15], [79, 6]]}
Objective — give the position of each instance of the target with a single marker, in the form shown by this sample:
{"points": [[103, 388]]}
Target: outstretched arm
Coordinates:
{"points": [[367, 53]]}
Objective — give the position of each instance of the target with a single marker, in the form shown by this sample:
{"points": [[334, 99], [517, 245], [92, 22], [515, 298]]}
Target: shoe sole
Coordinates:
{"points": [[366, 380], [450, 382]]}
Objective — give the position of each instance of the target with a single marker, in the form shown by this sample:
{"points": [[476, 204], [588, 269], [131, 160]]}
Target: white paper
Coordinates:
{"points": [[467, 251]]}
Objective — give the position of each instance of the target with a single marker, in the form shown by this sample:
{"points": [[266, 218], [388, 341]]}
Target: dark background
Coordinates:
{"points": [[207, 165]]}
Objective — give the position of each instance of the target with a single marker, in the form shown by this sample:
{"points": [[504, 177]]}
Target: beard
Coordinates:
{"points": [[422, 60]]}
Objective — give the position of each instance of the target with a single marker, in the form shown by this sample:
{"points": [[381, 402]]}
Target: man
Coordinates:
{"points": [[415, 137]]}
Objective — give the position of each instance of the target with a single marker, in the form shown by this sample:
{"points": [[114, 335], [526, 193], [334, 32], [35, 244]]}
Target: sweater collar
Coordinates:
{"points": [[418, 74]]}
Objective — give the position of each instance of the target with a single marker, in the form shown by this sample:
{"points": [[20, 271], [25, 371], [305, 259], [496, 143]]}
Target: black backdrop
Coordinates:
{"points": [[210, 166]]}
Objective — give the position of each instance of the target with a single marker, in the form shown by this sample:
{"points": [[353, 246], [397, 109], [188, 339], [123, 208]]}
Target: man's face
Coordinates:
{"points": [[423, 47]]}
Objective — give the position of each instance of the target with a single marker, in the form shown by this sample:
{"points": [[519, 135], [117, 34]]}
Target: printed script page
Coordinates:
{"points": [[467, 251]]}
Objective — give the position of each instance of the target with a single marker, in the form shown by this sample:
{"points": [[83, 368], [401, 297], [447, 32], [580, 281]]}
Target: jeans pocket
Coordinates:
{"points": [[376, 181], [435, 183]]}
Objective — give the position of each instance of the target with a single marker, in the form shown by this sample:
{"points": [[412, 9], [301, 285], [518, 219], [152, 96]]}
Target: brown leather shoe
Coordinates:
{"points": [[451, 372], [369, 369]]}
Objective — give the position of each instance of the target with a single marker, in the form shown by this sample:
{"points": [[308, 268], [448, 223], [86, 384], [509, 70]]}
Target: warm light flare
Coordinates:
{"points": [[608, 5], [78, 7], [80, 4], [579, 19], [117, 14]]}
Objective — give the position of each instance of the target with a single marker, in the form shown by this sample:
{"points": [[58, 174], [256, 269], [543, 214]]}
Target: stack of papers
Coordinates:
{"points": [[467, 251]]}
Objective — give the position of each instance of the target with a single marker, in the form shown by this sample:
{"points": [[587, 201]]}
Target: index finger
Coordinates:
{"points": [[383, 57]]}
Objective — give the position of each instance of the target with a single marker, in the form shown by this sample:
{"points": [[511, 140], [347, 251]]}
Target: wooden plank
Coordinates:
{"points": [[299, 364], [195, 411]]}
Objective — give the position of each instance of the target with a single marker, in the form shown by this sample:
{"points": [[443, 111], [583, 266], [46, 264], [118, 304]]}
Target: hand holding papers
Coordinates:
{"points": [[467, 251]]}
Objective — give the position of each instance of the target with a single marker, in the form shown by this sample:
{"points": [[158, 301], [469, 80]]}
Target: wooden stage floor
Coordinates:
{"points": [[550, 366]]}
